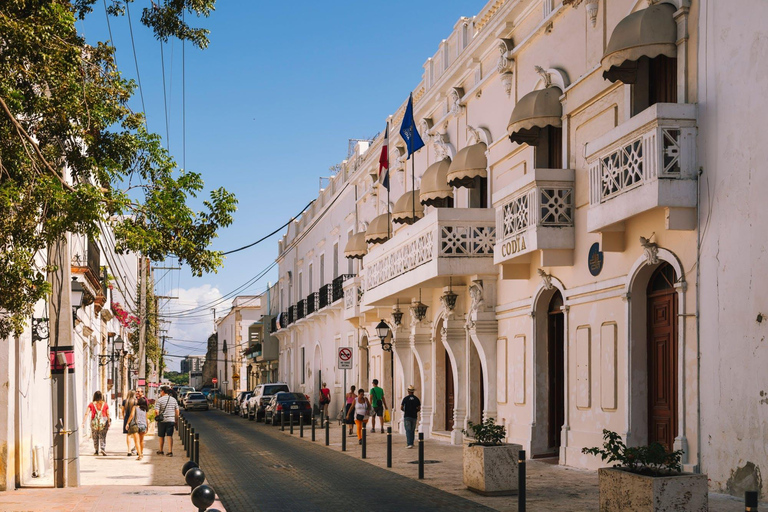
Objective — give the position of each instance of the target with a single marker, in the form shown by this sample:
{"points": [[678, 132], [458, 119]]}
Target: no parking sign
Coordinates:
{"points": [[345, 358]]}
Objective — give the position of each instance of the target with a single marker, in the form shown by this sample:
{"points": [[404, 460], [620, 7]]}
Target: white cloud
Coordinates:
{"points": [[190, 320]]}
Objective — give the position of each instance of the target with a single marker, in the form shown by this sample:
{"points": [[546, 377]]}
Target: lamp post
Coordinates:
{"points": [[77, 298], [383, 330]]}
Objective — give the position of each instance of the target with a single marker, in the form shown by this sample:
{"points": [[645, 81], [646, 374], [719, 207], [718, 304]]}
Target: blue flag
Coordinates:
{"points": [[408, 130]]}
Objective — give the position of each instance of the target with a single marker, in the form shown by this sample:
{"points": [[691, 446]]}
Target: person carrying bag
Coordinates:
{"points": [[361, 410], [98, 410]]}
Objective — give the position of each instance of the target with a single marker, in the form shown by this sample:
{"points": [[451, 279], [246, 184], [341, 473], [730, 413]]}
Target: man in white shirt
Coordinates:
{"points": [[166, 408]]}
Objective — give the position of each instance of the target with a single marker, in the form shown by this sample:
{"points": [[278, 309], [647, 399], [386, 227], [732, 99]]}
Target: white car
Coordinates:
{"points": [[260, 398]]}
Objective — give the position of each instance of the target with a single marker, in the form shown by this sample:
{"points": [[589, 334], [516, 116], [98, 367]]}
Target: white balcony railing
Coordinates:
{"points": [[655, 151], [445, 242]]}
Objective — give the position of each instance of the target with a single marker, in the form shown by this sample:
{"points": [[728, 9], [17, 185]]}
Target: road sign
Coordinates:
{"points": [[345, 358], [215, 380]]}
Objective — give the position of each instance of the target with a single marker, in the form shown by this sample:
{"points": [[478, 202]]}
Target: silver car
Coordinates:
{"points": [[196, 401]]}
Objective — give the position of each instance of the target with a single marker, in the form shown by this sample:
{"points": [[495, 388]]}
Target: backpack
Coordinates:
{"points": [[99, 421]]}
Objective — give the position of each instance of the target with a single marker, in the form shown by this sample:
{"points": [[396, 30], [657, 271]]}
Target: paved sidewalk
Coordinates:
{"points": [[550, 487], [115, 483]]}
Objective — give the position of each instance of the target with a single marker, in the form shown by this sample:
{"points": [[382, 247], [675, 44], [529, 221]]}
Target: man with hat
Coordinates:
{"points": [[410, 406]]}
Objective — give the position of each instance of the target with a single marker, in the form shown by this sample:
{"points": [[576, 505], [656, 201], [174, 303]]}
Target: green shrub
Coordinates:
{"points": [[487, 433], [651, 460]]}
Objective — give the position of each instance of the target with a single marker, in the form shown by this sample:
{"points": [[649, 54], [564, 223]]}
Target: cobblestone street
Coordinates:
{"points": [[253, 466]]}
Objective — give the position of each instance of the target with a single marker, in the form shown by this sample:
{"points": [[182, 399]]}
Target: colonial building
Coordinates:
{"points": [[541, 260]]}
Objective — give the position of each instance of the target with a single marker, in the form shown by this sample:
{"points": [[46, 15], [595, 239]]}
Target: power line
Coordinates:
{"points": [[165, 101], [135, 61], [269, 235]]}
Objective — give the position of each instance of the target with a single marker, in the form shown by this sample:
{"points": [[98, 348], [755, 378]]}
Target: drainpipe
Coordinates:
{"points": [[698, 327]]}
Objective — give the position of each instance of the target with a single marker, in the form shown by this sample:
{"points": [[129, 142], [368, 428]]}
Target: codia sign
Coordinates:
{"points": [[512, 246]]}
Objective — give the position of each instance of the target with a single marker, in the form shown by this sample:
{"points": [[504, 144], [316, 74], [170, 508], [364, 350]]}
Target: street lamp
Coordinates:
{"points": [[397, 315], [77, 298], [382, 330]]}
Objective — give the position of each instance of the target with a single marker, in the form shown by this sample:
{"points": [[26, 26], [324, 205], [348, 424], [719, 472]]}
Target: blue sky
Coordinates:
{"points": [[270, 105]]}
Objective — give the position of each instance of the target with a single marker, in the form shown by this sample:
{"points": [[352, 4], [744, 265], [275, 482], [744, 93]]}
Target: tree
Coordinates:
{"points": [[181, 379], [72, 153]]}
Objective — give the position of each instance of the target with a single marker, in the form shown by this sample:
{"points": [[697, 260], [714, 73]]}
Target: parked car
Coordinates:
{"points": [[183, 397], [261, 396], [243, 412], [285, 404], [239, 400], [196, 401]]}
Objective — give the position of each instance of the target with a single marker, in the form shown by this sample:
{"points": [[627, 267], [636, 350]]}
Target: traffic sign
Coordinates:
{"points": [[215, 380], [345, 358]]}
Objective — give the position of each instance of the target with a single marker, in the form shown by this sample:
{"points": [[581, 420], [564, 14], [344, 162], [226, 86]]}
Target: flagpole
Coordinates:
{"points": [[413, 185]]}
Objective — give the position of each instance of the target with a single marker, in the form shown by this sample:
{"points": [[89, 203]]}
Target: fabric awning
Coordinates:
{"points": [[404, 207], [645, 33], [470, 163], [378, 230], [356, 246], [434, 188], [534, 111]]}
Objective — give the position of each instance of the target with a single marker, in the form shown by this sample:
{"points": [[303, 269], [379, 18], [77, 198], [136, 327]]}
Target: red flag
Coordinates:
{"points": [[384, 160]]}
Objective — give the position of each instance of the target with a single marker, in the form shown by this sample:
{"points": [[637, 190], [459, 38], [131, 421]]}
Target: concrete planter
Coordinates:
{"points": [[622, 491], [491, 470]]}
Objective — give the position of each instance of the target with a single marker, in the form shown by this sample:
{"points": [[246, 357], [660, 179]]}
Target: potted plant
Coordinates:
{"points": [[646, 478], [490, 465]]}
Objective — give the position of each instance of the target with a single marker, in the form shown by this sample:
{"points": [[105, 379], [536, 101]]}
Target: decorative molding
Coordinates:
{"points": [[650, 251], [546, 279], [479, 134], [507, 81], [544, 76], [425, 126], [505, 62], [456, 106], [443, 148]]}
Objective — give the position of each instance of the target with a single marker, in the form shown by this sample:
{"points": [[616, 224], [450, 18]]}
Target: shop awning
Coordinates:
{"points": [[356, 246], [378, 230], [646, 33], [470, 163], [435, 190], [534, 111], [404, 208]]}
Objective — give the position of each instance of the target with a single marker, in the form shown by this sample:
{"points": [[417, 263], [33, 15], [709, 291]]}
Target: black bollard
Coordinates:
{"points": [[327, 433], [343, 438], [750, 501], [282, 421], [313, 427], [301, 425], [389, 447], [291, 423], [196, 449], [184, 435], [421, 455], [521, 482], [364, 443], [189, 442]]}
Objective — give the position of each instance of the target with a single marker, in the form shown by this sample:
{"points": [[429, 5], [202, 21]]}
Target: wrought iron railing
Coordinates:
{"points": [[273, 325], [291, 314], [312, 302], [324, 296], [301, 309], [338, 286]]}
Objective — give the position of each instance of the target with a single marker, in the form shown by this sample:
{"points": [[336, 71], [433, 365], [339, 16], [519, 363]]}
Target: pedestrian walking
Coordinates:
{"points": [[141, 422], [135, 426], [129, 402], [378, 404], [98, 413], [325, 400], [350, 399], [361, 410], [411, 406], [167, 414]]}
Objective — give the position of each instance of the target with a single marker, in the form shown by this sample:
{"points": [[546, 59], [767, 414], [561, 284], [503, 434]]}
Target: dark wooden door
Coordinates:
{"points": [[662, 359], [449, 394], [556, 366]]}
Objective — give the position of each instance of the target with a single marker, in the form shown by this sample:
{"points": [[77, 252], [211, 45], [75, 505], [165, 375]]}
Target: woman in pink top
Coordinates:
{"points": [[350, 399], [325, 399]]}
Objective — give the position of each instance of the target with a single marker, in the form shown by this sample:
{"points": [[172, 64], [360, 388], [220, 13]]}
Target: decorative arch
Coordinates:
{"points": [[551, 77], [640, 263], [555, 283]]}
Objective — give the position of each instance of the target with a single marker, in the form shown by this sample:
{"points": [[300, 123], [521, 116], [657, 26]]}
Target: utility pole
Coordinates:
{"points": [[143, 325]]}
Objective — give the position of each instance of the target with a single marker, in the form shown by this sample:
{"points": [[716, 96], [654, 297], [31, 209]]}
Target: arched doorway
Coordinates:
{"points": [[662, 356], [556, 364]]}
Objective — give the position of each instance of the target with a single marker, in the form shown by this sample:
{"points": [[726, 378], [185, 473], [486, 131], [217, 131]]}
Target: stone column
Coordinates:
{"points": [[422, 347], [483, 329], [454, 338], [404, 355]]}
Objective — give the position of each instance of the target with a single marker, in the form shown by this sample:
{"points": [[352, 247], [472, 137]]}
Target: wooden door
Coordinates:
{"points": [[449, 394], [662, 358], [556, 367]]}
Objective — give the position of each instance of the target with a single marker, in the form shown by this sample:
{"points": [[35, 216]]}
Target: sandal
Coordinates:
{"points": [[169, 454], [159, 452]]}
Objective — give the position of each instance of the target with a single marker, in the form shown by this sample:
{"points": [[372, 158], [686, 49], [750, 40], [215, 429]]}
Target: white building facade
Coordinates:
{"points": [[569, 254]]}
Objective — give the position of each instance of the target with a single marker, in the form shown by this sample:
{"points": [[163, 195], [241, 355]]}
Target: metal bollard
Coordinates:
{"points": [[343, 437], [301, 425], [750, 501], [364, 443], [282, 421], [313, 427], [291, 423], [421, 455], [196, 449], [189, 446], [389, 447], [327, 433], [521, 482], [184, 434]]}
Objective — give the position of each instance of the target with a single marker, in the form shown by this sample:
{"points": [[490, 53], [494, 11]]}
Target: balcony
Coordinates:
{"points": [[535, 213], [338, 286], [273, 325], [291, 314], [312, 303], [353, 292], [325, 296], [447, 242], [644, 163], [301, 309], [269, 350]]}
